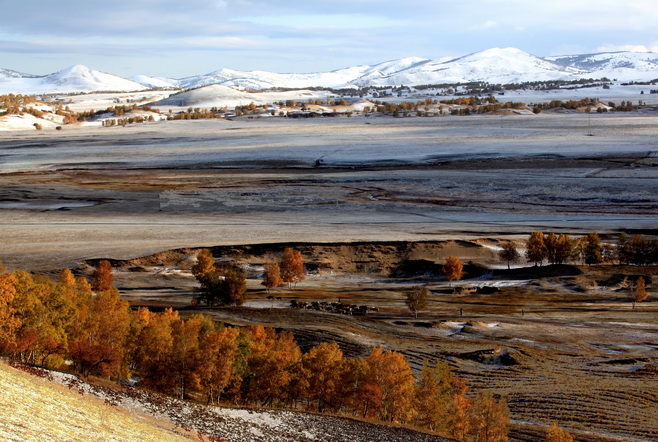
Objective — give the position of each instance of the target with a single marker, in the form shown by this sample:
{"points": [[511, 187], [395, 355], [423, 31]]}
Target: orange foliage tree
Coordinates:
{"points": [[9, 322], [271, 364], [292, 267], [103, 278], [434, 397], [536, 248], [640, 291], [489, 418], [392, 385], [204, 265], [324, 365], [452, 269], [272, 276], [218, 353], [66, 277], [557, 434]]}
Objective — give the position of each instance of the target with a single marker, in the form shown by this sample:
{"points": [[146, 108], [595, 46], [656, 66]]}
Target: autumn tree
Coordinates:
{"points": [[224, 286], [153, 356], [185, 356], [324, 368], [636, 250], [434, 396], [640, 292], [452, 269], [9, 322], [66, 277], [272, 276], [536, 248], [557, 434], [292, 267], [489, 418], [100, 348], [417, 299], [392, 385], [218, 352], [459, 423], [508, 253], [102, 276], [558, 248], [205, 264], [271, 364], [592, 249]]}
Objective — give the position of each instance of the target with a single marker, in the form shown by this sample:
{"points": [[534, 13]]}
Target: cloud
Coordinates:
{"points": [[318, 34], [223, 43], [628, 47], [489, 24]]}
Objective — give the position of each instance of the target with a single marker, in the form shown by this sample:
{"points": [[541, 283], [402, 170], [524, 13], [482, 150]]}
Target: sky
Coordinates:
{"points": [[191, 37]]}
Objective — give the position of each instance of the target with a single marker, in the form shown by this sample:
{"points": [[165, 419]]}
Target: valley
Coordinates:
{"points": [[392, 198]]}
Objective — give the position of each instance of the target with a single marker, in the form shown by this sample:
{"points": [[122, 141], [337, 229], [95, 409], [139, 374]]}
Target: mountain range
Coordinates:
{"points": [[496, 65]]}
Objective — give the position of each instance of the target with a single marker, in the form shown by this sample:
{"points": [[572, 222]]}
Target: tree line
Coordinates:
{"points": [[48, 323], [589, 249]]}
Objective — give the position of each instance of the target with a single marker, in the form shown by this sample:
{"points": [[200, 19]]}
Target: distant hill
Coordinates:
{"points": [[496, 65], [70, 80]]}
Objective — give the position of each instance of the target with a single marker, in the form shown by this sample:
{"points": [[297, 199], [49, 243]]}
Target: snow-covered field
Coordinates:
{"points": [[123, 192]]}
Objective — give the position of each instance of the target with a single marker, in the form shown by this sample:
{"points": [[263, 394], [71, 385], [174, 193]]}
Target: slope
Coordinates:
{"points": [[36, 409], [624, 66]]}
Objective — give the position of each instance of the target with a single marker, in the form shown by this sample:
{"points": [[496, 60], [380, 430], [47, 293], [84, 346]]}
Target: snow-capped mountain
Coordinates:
{"points": [[624, 66], [363, 74], [8, 73], [156, 82], [73, 79], [497, 65]]}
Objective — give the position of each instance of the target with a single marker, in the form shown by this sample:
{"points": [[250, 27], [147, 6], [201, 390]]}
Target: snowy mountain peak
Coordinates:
{"points": [[494, 65], [626, 66], [8, 73]]}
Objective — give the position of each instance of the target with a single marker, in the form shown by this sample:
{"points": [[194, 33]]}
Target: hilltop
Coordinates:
{"points": [[494, 66]]}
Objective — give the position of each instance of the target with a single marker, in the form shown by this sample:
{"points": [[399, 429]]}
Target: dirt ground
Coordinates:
{"points": [[375, 205]]}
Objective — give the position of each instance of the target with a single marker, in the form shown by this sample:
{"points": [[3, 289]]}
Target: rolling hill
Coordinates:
{"points": [[496, 65]]}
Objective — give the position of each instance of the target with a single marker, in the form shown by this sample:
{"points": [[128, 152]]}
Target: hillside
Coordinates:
{"points": [[56, 406], [72, 79], [34, 408], [495, 65]]}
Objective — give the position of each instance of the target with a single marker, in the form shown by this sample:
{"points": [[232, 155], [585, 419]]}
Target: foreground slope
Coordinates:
{"points": [[36, 409], [46, 410]]}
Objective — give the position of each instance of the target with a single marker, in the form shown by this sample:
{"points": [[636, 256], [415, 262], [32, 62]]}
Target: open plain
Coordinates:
{"points": [[376, 204]]}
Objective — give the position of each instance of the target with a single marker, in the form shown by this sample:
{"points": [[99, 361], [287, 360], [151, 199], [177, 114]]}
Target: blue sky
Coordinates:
{"points": [[188, 37]]}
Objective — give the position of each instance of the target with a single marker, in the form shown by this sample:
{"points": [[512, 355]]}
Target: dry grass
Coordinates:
{"points": [[35, 409]]}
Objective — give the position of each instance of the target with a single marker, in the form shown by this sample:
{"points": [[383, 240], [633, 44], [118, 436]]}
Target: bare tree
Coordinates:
{"points": [[417, 299], [508, 253]]}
